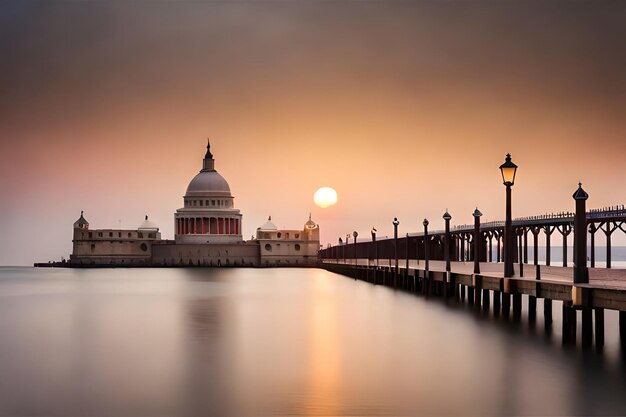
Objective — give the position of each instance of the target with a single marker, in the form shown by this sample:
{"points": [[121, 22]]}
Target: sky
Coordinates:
{"points": [[406, 108]]}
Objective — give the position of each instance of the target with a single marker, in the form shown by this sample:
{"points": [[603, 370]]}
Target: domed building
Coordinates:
{"points": [[208, 214], [208, 232]]}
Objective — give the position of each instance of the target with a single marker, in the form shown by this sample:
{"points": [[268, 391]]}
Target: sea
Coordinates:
{"points": [[281, 342]]}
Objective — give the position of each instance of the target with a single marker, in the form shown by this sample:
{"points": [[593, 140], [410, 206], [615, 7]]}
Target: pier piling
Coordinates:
{"points": [[517, 306], [496, 303], [587, 321], [506, 305], [599, 322], [532, 308], [547, 313]]}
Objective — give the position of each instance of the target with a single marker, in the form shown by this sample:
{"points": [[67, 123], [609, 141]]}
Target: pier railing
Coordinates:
{"points": [[489, 246]]}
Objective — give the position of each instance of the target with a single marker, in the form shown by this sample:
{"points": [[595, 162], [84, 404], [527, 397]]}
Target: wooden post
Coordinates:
{"points": [[569, 324], [486, 300], [506, 305], [496, 303], [587, 327], [517, 306], [462, 292], [599, 322], [532, 308], [565, 325], [622, 329], [548, 231], [470, 295], [547, 313], [477, 290]]}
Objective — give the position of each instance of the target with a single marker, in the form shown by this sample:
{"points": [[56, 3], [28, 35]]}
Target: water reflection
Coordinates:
{"points": [[324, 361], [182, 342]]}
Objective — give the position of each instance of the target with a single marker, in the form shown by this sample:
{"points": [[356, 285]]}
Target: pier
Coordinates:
{"points": [[465, 263]]}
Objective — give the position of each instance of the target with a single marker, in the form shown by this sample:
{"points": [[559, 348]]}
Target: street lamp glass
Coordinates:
{"points": [[508, 170]]}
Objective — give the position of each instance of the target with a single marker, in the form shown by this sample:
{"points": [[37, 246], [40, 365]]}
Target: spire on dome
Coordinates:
{"points": [[208, 163], [310, 224], [208, 155], [268, 225]]}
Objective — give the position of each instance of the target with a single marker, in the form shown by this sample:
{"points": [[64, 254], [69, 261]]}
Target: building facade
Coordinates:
{"points": [[207, 233], [288, 247], [113, 247]]}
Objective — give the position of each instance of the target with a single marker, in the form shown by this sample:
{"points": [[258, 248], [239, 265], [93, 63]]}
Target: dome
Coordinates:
{"points": [[148, 225], [268, 225], [310, 224], [208, 182]]}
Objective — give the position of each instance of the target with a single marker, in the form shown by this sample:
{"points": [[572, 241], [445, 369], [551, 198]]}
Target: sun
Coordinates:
{"points": [[325, 197]]}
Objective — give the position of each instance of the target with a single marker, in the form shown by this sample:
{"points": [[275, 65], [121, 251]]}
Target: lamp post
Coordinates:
{"points": [[447, 217], [508, 170], [425, 223], [343, 249], [477, 215], [375, 245], [355, 234], [347, 243], [395, 241]]}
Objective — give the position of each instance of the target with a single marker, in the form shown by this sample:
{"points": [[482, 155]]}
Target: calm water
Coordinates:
{"points": [[246, 342]]}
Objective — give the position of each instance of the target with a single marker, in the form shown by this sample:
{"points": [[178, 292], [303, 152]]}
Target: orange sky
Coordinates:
{"points": [[405, 108]]}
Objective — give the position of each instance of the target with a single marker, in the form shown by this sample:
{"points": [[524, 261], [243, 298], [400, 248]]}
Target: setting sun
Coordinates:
{"points": [[325, 197]]}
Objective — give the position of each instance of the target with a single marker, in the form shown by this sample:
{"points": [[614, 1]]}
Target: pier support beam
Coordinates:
{"points": [[622, 330], [587, 320], [547, 313], [486, 300], [462, 292], [517, 306], [496, 303], [506, 305], [599, 322], [532, 308], [569, 325]]}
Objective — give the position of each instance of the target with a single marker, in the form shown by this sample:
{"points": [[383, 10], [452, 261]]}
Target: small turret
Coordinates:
{"points": [[81, 223]]}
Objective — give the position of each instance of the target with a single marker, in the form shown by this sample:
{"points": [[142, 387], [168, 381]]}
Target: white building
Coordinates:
{"points": [[288, 247], [207, 233], [208, 214]]}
